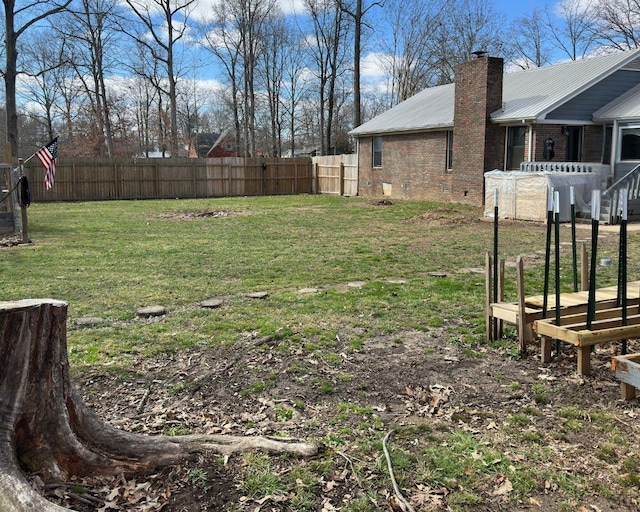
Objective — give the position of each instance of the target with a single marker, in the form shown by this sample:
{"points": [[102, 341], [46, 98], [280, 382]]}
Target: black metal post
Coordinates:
{"points": [[556, 210], [574, 251], [495, 256], [622, 263]]}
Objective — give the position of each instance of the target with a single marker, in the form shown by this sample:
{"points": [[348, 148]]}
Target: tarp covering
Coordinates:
{"points": [[523, 195]]}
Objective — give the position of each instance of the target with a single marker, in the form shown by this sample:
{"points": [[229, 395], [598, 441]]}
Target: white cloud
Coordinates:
{"points": [[204, 10], [292, 6], [372, 65]]}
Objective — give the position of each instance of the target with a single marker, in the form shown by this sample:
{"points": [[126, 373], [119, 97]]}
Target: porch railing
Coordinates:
{"points": [[579, 167], [630, 183]]}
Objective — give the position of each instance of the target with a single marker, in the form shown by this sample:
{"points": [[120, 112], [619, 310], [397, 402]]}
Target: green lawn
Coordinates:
{"points": [[106, 259], [328, 364]]}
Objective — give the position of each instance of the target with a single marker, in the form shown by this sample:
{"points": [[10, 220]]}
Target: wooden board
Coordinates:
{"points": [[602, 331], [627, 369]]}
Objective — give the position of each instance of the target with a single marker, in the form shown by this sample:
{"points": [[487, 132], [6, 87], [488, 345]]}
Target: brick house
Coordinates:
{"points": [[438, 144], [212, 145]]}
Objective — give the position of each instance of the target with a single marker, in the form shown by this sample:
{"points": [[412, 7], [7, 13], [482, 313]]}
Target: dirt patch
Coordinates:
{"points": [[344, 396], [446, 217], [195, 215]]}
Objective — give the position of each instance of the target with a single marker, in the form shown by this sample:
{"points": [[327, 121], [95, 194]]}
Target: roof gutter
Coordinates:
{"points": [[433, 128]]}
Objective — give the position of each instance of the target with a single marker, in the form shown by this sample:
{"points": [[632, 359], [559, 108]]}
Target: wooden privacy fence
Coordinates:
{"points": [[336, 174], [91, 179]]}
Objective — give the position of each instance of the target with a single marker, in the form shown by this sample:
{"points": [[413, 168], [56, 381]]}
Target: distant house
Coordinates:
{"points": [[212, 145], [438, 144]]}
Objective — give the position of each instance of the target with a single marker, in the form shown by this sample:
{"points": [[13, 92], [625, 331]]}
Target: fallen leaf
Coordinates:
{"points": [[505, 488]]}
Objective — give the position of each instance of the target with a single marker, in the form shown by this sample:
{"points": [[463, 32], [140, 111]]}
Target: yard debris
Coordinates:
{"points": [[504, 487], [254, 386], [431, 400]]}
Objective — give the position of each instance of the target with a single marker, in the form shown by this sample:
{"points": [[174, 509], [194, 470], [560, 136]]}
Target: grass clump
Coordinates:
{"points": [[261, 479]]}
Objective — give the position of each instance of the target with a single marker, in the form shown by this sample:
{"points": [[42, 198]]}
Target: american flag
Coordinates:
{"points": [[47, 156]]}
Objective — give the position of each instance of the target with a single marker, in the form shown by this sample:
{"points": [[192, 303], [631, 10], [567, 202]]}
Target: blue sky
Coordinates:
{"points": [[514, 8]]}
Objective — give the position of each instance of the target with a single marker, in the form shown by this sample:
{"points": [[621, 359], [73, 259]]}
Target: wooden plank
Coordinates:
{"points": [[627, 369], [605, 331], [578, 320], [544, 328], [604, 323]]}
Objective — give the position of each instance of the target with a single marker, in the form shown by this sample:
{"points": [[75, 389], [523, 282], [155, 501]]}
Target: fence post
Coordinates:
{"points": [[116, 182], [195, 178], [155, 179], [341, 177], [317, 177]]}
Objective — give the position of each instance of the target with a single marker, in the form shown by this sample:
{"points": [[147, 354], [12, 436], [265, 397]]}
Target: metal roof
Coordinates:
{"points": [[527, 95], [429, 109]]}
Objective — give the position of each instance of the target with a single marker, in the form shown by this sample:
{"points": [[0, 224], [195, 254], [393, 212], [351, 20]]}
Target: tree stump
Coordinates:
{"points": [[46, 427]]}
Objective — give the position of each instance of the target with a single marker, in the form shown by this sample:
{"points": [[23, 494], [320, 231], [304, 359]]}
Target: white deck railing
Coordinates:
{"points": [[565, 167]]}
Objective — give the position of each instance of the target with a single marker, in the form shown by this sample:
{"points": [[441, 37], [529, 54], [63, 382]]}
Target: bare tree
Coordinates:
{"points": [[91, 28], [328, 53], [273, 61], [235, 37], [250, 17], [295, 86], [357, 11], [576, 33], [410, 60], [531, 46], [618, 23], [44, 57], [163, 25], [221, 39], [144, 94], [467, 26], [18, 18]]}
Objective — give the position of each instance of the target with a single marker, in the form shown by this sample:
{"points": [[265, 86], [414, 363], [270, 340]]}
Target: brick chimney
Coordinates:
{"points": [[478, 144]]}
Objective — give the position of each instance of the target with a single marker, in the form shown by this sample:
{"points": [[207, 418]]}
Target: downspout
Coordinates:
{"points": [[504, 152], [530, 155]]}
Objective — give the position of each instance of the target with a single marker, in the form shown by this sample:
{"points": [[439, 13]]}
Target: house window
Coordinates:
{"points": [[516, 136], [377, 151], [630, 143], [449, 150]]}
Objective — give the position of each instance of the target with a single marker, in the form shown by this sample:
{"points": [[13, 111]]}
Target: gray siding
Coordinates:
{"points": [[582, 107]]}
